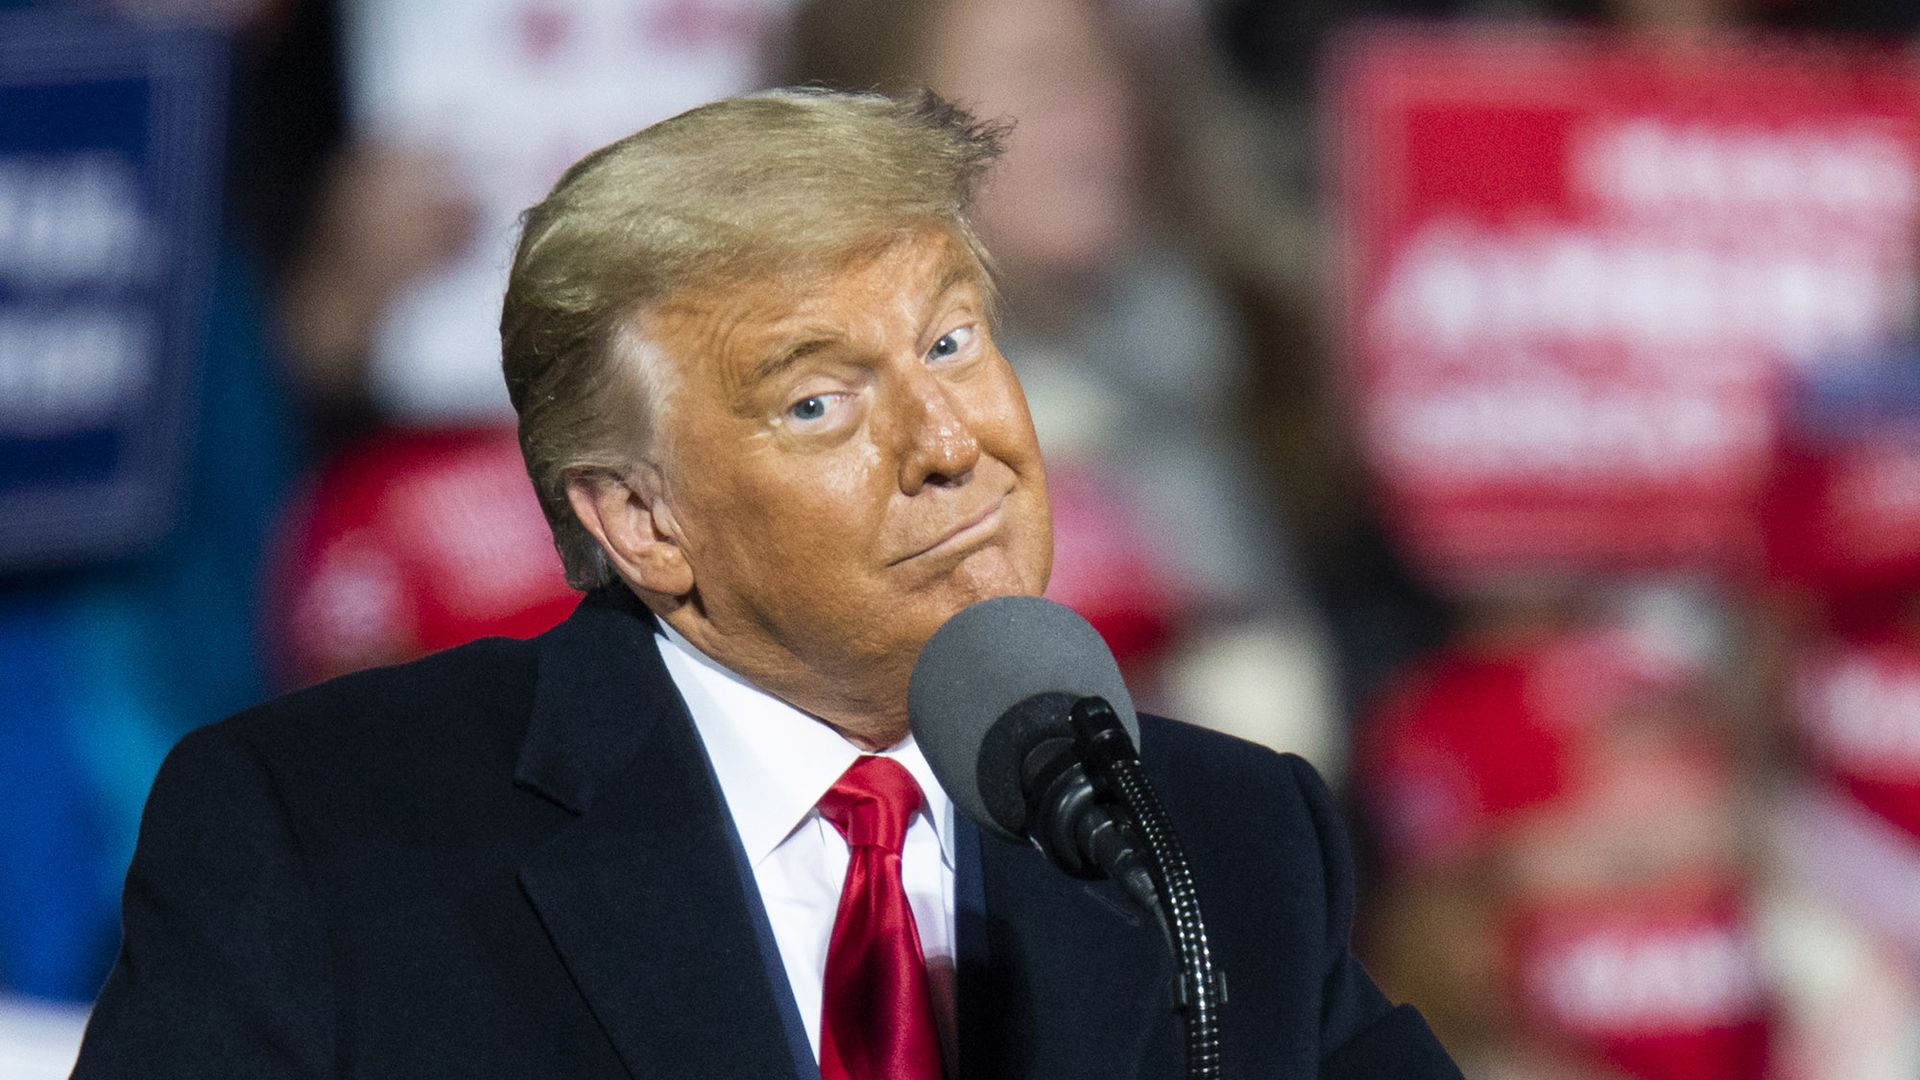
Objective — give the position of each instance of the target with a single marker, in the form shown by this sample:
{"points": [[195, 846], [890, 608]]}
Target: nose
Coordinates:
{"points": [[937, 445]]}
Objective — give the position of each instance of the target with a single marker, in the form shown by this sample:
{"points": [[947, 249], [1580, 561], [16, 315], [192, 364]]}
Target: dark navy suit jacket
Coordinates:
{"points": [[511, 859]]}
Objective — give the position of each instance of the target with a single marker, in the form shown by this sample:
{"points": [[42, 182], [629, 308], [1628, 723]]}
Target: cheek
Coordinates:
{"points": [[845, 480], [817, 508], [1006, 432]]}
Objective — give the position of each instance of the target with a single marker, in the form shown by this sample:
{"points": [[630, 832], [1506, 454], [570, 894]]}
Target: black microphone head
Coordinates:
{"points": [[994, 682]]}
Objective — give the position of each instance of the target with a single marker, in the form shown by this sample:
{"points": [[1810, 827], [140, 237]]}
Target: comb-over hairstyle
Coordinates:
{"points": [[785, 182]]}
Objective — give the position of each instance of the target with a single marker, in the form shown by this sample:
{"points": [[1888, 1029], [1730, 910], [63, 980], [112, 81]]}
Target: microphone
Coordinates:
{"points": [[992, 703], [1020, 709]]}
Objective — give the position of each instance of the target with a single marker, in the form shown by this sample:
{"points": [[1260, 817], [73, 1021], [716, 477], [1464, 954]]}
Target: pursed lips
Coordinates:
{"points": [[974, 527]]}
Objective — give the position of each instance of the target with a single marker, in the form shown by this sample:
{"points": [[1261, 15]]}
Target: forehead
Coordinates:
{"points": [[732, 327]]}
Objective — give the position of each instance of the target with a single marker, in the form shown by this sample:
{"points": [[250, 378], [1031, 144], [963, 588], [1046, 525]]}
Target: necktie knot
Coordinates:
{"points": [[872, 803]]}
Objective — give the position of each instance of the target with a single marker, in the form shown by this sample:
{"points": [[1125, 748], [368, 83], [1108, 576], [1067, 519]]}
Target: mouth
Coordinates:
{"points": [[965, 535]]}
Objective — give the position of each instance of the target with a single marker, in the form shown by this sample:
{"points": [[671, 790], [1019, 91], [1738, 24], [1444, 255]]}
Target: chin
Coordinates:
{"points": [[993, 572]]}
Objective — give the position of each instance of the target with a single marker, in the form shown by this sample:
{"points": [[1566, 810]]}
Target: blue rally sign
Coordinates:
{"points": [[110, 141]]}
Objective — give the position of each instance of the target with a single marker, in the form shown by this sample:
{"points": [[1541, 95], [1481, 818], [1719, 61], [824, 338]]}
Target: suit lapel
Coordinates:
{"points": [[646, 896], [1059, 978]]}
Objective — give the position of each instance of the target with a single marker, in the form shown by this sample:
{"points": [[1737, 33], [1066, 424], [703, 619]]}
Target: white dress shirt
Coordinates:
{"points": [[774, 764]]}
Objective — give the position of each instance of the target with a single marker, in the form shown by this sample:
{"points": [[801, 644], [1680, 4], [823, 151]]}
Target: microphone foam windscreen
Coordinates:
{"points": [[990, 660]]}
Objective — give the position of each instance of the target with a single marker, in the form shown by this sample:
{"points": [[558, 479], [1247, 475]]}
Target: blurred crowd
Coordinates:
{"points": [[1613, 821]]}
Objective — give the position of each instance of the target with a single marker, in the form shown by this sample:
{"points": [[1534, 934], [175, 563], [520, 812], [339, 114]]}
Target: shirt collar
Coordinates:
{"points": [[775, 762]]}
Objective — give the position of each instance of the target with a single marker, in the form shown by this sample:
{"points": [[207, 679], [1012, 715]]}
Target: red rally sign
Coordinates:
{"points": [[1576, 267]]}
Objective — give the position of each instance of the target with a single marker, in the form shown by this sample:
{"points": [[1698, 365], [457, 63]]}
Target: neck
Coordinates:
{"points": [[870, 721], [869, 734]]}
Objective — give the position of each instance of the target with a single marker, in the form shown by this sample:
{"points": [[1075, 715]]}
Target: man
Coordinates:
{"points": [[761, 405]]}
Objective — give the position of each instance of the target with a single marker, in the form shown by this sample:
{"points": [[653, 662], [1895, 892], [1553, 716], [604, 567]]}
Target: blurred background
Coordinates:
{"points": [[1514, 407]]}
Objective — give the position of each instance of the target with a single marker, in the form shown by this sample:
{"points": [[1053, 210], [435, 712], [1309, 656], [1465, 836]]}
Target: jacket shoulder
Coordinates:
{"points": [[1271, 854], [489, 672], [1179, 750], [1257, 813], [444, 722]]}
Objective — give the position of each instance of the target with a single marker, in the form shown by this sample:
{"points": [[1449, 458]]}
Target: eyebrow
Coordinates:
{"points": [[797, 349], [789, 354], [959, 272]]}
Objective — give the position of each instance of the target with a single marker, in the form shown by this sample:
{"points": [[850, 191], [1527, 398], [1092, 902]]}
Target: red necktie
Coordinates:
{"points": [[876, 1019]]}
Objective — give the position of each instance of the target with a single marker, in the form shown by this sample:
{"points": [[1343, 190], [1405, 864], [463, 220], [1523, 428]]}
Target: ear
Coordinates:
{"points": [[629, 515]]}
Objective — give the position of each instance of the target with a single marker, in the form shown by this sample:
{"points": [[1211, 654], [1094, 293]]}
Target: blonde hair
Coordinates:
{"points": [[788, 182]]}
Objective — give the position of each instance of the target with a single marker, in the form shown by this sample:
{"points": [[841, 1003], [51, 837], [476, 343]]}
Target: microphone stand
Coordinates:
{"points": [[1113, 764]]}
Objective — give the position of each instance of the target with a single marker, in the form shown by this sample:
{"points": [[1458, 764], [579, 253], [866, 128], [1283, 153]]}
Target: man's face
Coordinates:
{"points": [[848, 461]]}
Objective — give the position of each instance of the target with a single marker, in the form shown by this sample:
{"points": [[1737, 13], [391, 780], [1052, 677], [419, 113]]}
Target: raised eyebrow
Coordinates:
{"points": [[782, 359], [958, 274]]}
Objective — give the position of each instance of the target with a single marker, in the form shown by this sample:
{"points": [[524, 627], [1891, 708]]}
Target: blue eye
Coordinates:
{"points": [[950, 343], [812, 408]]}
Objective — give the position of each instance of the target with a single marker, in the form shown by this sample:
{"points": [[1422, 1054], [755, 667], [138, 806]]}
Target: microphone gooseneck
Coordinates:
{"points": [[1020, 709], [1201, 988]]}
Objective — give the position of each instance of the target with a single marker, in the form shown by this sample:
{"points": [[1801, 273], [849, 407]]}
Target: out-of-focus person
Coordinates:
{"points": [[457, 114], [1845, 828], [413, 541], [1570, 882], [1837, 623]]}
